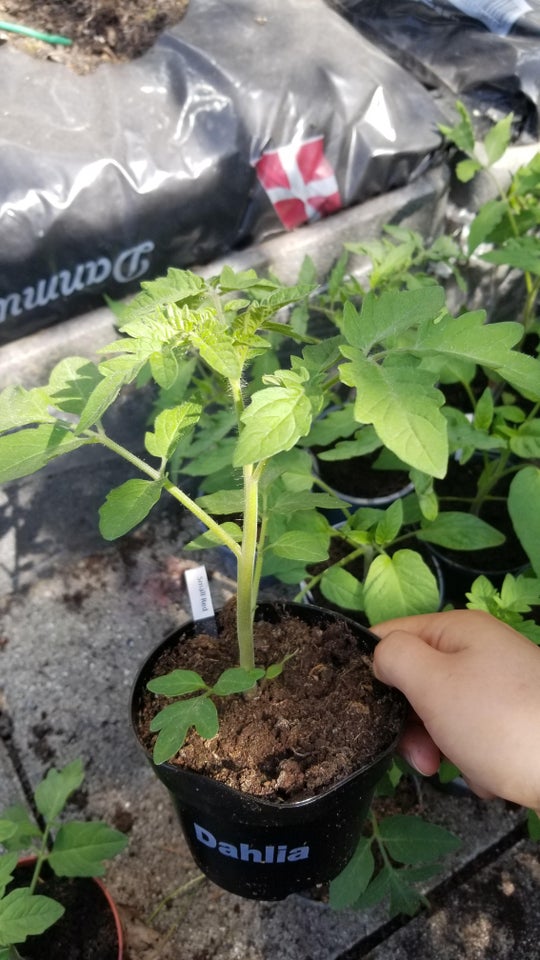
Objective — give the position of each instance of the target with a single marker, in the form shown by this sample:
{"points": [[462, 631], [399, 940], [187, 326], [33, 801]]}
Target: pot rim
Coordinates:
{"points": [[300, 608]]}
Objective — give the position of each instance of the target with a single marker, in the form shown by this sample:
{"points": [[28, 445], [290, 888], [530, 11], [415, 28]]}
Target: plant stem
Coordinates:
{"points": [[40, 859], [172, 489], [245, 592], [246, 596]]}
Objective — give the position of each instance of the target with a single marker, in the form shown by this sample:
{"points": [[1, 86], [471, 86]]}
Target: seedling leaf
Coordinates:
{"points": [[23, 915], [177, 683], [80, 848], [346, 888], [126, 506], [412, 840], [237, 680], [52, 793]]}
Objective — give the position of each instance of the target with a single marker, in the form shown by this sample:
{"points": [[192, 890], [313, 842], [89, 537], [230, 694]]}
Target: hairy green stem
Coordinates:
{"points": [[172, 489], [246, 596]]}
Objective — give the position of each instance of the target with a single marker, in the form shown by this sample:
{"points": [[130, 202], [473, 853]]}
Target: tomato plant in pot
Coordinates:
{"points": [[493, 477], [290, 820], [51, 904], [376, 569]]}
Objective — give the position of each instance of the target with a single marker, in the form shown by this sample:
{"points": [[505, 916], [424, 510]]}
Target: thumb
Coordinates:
{"points": [[404, 661]]}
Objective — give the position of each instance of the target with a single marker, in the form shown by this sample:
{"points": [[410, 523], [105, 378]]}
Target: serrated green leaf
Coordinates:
{"points": [[126, 506], [164, 367], [375, 891], [333, 425], [403, 898], [229, 502], [169, 427], [403, 405], [290, 503], [525, 442], [198, 712], [303, 545], [521, 372], [488, 217], [103, 396], [365, 441], [523, 507], [342, 589], [462, 133], [8, 862], [28, 450], [469, 337], [461, 531], [23, 915], [520, 252], [25, 828], [52, 793], [412, 840], [497, 139], [178, 286], [237, 680], [210, 539], [7, 830], [390, 314], [399, 586], [388, 528], [20, 407], [354, 878], [274, 422], [467, 169], [177, 683], [72, 382], [79, 849]]}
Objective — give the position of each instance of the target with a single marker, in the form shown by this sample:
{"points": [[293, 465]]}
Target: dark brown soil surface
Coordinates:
{"points": [[102, 31], [323, 718], [86, 931]]}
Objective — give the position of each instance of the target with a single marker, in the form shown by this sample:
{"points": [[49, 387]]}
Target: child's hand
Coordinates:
{"points": [[474, 684]]}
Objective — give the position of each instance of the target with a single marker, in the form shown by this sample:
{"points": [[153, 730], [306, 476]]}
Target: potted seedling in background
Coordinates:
{"points": [[376, 569], [274, 830], [505, 229], [493, 476], [60, 857]]}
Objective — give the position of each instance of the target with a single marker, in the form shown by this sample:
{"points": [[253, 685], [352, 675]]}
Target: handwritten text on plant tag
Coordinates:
{"points": [[199, 593]]}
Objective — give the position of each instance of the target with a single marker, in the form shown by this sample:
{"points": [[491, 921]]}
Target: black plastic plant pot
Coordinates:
{"points": [[459, 575], [250, 846]]}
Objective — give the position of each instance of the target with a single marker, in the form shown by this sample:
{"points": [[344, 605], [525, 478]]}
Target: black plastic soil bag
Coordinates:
{"points": [[185, 154], [487, 52]]}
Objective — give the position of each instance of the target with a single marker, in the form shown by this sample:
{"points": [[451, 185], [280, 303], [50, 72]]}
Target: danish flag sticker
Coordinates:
{"points": [[299, 181]]}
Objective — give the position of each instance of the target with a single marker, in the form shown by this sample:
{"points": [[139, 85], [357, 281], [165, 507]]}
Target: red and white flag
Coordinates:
{"points": [[299, 181]]}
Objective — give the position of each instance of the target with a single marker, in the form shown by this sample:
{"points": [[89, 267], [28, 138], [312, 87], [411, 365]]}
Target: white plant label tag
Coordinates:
{"points": [[199, 593], [499, 16]]}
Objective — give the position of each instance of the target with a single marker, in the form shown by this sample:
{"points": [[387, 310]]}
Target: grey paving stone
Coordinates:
{"points": [[493, 916]]}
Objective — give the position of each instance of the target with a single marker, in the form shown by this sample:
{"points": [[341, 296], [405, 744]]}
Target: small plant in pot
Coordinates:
{"points": [[49, 905], [401, 348], [377, 569], [290, 821], [494, 482]]}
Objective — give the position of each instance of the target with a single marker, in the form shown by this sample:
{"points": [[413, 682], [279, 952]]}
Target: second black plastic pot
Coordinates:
{"points": [[251, 846]]}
